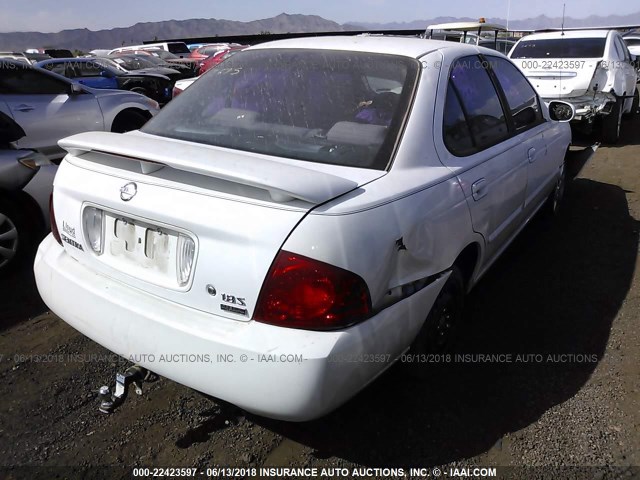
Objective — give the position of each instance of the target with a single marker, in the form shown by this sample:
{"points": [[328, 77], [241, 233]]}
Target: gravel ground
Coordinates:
{"points": [[561, 307]]}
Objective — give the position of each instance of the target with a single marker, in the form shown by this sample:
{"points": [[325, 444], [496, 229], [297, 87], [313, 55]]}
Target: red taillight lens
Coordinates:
{"points": [[301, 292], [52, 216]]}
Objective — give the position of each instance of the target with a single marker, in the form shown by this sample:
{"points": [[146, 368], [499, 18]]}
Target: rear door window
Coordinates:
{"points": [[479, 101], [19, 80], [88, 69], [521, 97], [457, 136]]}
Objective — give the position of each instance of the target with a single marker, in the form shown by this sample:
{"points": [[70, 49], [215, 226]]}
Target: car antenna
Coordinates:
{"points": [[564, 6]]}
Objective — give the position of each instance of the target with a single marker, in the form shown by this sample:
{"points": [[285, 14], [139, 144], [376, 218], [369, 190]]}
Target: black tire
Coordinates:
{"points": [[16, 236], [140, 90], [440, 331], [612, 123], [127, 121], [554, 202]]}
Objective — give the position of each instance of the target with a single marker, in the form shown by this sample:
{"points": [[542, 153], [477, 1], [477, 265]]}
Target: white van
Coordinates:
{"points": [[177, 48]]}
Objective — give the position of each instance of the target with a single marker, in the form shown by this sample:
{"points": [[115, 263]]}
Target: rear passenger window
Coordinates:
{"points": [[57, 68], [88, 69], [479, 101], [19, 80], [521, 97], [457, 136]]}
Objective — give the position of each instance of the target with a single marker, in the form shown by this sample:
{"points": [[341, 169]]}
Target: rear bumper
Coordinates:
{"points": [[276, 372], [588, 106]]}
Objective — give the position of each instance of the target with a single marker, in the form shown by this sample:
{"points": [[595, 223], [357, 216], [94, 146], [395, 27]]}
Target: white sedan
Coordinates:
{"points": [[591, 69], [292, 223]]}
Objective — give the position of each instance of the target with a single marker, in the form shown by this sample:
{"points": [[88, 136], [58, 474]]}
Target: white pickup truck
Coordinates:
{"points": [[591, 69]]}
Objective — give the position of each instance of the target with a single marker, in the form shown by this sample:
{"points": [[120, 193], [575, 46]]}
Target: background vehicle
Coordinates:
{"points": [[36, 57], [140, 65], [591, 69], [632, 40], [502, 45], [207, 51], [182, 85], [105, 73], [219, 57], [24, 213], [49, 107], [467, 32], [15, 56], [167, 57], [58, 53], [151, 61], [179, 49], [293, 206]]}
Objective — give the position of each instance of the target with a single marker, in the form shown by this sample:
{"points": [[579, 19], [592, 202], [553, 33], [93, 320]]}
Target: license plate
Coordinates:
{"points": [[141, 249]]}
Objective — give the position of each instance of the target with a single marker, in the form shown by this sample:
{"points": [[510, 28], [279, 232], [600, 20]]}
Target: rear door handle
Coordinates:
{"points": [[531, 154], [24, 108], [479, 189]]}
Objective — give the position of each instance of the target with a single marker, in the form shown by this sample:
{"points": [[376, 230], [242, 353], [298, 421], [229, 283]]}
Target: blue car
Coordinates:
{"points": [[105, 73]]}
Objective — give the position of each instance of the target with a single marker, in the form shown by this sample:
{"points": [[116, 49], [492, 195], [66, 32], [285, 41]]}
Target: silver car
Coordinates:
{"points": [[50, 107], [38, 108]]}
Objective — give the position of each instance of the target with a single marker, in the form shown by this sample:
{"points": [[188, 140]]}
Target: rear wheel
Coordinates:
{"points": [[612, 123], [556, 197], [127, 121], [442, 326], [141, 91], [15, 235]]}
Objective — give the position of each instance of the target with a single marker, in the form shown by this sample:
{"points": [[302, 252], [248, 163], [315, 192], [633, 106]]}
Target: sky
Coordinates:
{"points": [[53, 16]]}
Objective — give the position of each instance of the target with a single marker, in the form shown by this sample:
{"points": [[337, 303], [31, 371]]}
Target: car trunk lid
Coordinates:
{"points": [[156, 195], [558, 78]]}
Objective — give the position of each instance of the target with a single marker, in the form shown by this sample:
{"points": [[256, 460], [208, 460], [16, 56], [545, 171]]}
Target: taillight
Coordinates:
{"points": [[52, 217], [176, 91], [301, 292], [94, 228], [186, 251]]}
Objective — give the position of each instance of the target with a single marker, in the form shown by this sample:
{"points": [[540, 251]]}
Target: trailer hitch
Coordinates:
{"points": [[135, 374]]}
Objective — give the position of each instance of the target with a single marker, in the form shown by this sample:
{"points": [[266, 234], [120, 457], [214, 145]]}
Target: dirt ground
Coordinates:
{"points": [[565, 297]]}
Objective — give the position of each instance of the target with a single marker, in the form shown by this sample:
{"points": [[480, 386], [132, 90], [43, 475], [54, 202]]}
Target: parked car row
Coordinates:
{"points": [[104, 73]]}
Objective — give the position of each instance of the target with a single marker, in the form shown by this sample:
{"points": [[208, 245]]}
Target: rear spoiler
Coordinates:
{"points": [[283, 181]]}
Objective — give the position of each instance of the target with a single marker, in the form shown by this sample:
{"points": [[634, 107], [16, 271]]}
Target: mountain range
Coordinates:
{"points": [[535, 23], [84, 39]]}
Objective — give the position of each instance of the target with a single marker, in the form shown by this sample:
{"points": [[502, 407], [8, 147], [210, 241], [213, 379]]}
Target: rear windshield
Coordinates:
{"points": [[178, 47], [343, 108], [560, 48]]}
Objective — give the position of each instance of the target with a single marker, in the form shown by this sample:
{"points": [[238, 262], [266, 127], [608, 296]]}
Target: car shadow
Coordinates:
{"points": [[555, 291], [19, 297], [628, 133]]}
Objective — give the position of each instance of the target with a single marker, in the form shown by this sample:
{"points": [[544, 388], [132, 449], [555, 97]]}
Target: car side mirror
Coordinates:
{"points": [[75, 89], [561, 111]]}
